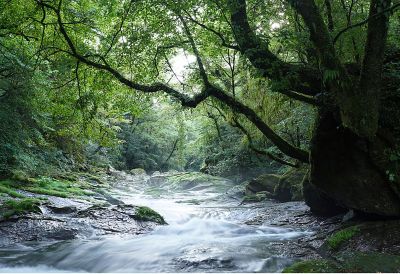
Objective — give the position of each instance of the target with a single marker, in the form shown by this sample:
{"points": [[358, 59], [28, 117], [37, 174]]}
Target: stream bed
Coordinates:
{"points": [[208, 231]]}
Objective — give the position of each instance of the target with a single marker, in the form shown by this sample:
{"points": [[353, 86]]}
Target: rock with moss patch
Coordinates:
{"points": [[265, 182], [144, 213], [313, 266], [138, 172], [341, 236], [258, 197], [289, 187], [19, 206], [189, 181], [369, 262]]}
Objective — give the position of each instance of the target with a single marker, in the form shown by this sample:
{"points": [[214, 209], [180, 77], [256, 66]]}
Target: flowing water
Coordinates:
{"points": [[206, 232]]}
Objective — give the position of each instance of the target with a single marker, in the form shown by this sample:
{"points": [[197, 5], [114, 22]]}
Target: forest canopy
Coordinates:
{"points": [[193, 84]]}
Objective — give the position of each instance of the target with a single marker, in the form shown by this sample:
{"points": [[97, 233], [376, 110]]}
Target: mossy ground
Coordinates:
{"points": [[338, 238], [144, 213], [349, 262], [15, 202], [17, 207], [6, 188], [45, 185], [312, 266]]}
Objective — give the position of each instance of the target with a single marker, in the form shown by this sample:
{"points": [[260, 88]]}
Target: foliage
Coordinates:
{"points": [[59, 113]]}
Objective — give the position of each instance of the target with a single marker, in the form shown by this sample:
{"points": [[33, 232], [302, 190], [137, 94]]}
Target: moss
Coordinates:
{"points": [[53, 187], [338, 238], [313, 266], [43, 191], [349, 262], [258, 197], [144, 213], [370, 262], [5, 187], [18, 207]]}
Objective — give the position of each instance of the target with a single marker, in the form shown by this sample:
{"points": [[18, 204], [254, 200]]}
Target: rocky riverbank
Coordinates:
{"points": [[92, 206], [62, 214]]}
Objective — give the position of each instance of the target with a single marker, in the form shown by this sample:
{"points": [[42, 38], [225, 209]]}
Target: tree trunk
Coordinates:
{"points": [[352, 170]]}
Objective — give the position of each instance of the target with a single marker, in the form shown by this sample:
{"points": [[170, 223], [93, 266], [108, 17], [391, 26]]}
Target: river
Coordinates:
{"points": [[208, 231]]}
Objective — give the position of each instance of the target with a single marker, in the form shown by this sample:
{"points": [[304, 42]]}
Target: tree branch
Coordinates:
{"points": [[185, 100], [319, 36], [359, 24], [300, 97], [252, 116], [301, 78], [272, 156], [196, 52], [328, 6], [220, 36], [209, 89]]}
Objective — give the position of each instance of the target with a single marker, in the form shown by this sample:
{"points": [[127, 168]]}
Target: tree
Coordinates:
{"points": [[340, 73]]}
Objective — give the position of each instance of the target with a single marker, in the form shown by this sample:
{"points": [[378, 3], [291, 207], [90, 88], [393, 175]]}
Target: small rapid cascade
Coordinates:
{"points": [[206, 232]]}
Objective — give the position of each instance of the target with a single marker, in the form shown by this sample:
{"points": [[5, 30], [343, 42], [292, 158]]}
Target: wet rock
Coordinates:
{"points": [[320, 203], [62, 209], [372, 246], [194, 181], [66, 219], [112, 200], [258, 197], [137, 171], [372, 236], [265, 182], [156, 180], [289, 187]]}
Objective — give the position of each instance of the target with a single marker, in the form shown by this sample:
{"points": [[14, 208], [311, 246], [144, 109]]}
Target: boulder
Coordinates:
{"points": [[265, 182], [137, 171], [320, 203], [289, 187], [356, 172]]}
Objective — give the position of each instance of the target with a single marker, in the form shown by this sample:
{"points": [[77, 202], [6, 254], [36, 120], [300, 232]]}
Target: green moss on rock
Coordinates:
{"points": [[5, 187], [370, 262], [18, 207], [51, 186], [144, 213], [338, 238], [313, 266]]}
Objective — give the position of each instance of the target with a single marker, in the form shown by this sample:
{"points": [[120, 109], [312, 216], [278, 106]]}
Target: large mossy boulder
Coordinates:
{"points": [[284, 188], [289, 187], [189, 181], [137, 172], [265, 182], [356, 172]]}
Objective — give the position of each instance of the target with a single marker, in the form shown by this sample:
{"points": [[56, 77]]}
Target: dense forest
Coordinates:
{"points": [[289, 108]]}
